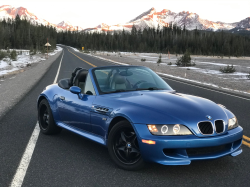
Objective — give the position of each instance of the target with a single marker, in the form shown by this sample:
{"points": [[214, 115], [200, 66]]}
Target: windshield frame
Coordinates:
{"points": [[120, 66]]}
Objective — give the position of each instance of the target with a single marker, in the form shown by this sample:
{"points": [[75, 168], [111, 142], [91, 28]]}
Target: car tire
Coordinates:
{"points": [[123, 147], [45, 118]]}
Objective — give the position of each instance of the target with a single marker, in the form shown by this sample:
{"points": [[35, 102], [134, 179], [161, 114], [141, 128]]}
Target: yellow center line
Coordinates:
{"points": [[245, 143], [82, 59], [246, 138], [86, 61]]}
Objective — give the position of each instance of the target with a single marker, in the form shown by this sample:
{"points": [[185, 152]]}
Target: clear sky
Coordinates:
{"points": [[90, 13]]}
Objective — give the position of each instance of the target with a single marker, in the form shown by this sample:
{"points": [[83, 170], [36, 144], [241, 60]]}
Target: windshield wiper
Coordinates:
{"points": [[120, 90], [150, 88]]}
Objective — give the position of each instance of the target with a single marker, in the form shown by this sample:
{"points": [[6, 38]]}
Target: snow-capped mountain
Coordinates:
{"points": [[244, 24], [7, 11], [152, 18], [66, 25]]}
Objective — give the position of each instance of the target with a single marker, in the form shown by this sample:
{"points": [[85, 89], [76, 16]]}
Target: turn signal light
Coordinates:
{"points": [[148, 141], [152, 128]]}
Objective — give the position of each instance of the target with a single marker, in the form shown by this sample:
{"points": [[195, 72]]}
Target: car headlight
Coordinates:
{"points": [[175, 129], [232, 123]]}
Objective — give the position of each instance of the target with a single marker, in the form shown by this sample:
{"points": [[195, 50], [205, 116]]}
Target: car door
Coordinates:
{"points": [[75, 111]]}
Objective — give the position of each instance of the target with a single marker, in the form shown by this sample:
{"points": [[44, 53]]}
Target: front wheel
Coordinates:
{"points": [[123, 146], [45, 118]]}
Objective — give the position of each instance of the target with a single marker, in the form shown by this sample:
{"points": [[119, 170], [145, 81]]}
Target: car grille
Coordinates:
{"points": [[207, 150], [206, 127], [219, 126]]}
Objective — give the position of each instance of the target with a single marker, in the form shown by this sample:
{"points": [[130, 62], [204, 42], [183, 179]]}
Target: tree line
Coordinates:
{"points": [[21, 34], [171, 38]]}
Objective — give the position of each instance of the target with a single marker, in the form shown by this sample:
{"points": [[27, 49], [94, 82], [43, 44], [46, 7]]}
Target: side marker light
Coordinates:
{"points": [[148, 141]]}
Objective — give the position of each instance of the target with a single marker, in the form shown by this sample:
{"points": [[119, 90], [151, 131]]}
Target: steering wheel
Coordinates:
{"points": [[138, 82]]}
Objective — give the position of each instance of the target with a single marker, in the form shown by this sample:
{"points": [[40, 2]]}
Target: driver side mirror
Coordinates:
{"points": [[75, 90]]}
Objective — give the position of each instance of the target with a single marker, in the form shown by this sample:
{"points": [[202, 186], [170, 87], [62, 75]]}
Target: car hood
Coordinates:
{"points": [[163, 107]]}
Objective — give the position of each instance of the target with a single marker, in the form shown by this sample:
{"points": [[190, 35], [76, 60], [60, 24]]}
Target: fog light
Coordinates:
{"points": [[164, 129], [176, 128]]}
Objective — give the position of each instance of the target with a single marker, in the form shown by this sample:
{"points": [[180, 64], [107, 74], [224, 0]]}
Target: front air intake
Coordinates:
{"points": [[219, 126], [205, 127]]}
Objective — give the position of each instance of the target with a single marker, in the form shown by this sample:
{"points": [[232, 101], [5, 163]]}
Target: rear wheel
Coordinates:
{"points": [[123, 147], [45, 118]]}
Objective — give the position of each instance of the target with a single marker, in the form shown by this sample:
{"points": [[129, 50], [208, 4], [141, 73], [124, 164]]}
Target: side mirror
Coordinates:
{"points": [[75, 90]]}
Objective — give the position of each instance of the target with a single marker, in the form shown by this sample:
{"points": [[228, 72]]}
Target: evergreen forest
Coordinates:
{"points": [[21, 34]]}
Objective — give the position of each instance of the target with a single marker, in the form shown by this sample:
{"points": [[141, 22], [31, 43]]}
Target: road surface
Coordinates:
{"points": [[67, 159]]}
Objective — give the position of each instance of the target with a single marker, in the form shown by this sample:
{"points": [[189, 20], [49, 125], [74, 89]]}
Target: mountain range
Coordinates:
{"points": [[150, 18], [7, 11]]}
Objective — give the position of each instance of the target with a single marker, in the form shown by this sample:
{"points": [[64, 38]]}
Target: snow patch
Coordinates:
{"points": [[74, 49], [3, 64], [3, 72], [189, 68], [22, 61], [212, 63]]}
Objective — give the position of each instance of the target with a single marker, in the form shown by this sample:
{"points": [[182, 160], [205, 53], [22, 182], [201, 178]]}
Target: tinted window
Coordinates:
{"points": [[89, 88], [128, 78]]}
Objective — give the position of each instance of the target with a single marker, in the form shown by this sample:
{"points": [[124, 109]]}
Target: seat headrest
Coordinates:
{"points": [[119, 79], [72, 78], [81, 75]]}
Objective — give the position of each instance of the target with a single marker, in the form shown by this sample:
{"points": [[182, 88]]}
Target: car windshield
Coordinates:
{"points": [[127, 78]]}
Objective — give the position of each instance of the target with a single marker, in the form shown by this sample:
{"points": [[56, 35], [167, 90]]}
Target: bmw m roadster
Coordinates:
{"points": [[139, 117]]}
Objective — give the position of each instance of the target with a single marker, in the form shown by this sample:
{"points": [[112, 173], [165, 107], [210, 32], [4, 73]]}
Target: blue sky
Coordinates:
{"points": [[89, 13]]}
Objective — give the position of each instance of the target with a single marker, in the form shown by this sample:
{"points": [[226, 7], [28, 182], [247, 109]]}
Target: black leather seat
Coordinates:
{"points": [[64, 83], [80, 78]]}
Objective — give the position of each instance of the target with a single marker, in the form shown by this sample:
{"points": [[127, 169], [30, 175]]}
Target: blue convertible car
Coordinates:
{"points": [[139, 117]]}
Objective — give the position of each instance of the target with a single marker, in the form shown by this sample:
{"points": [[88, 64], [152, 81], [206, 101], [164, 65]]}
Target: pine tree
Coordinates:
{"points": [[184, 60], [159, 60]]}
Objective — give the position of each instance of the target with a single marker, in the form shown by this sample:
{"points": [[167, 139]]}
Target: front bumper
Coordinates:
{"points": [[181, 150]]}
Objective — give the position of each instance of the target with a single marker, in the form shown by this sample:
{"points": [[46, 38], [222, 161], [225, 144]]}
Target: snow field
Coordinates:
{"points": [[7, 65]]}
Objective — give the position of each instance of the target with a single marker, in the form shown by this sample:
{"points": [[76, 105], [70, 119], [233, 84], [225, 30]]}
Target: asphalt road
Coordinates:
{"points": [[70, 160]]}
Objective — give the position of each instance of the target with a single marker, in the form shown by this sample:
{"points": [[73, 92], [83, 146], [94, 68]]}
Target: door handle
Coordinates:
{"points": [[62, 97]]}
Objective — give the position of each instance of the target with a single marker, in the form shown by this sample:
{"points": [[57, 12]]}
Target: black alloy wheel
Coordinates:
{"points": [[123, 146], [45, 118], [126, 146]]}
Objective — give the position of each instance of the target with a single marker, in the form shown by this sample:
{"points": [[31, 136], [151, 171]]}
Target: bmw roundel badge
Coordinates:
{"points": [[209, 117]]}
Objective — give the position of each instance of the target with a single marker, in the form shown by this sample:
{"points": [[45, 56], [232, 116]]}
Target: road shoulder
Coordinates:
{"points": [[14, 88]]}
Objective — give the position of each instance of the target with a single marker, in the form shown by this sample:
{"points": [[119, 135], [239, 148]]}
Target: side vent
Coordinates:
{"points": [[101, 109]]}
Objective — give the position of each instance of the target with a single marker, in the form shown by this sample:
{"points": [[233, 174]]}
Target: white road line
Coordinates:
{"points": [[206, 88], [58, 70], [18, 178]]}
